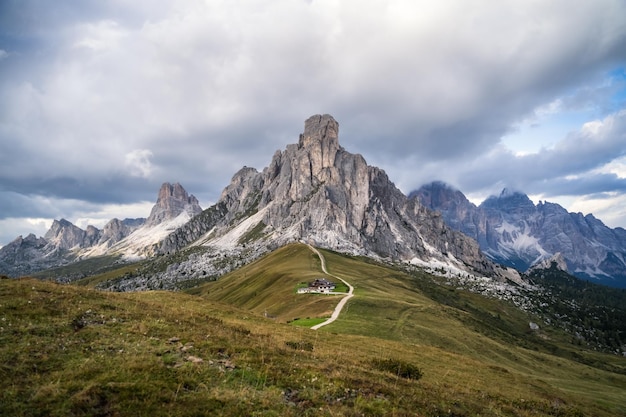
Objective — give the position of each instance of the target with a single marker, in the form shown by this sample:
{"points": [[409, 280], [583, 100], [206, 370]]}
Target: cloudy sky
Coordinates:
{"points": [[101, 101]]}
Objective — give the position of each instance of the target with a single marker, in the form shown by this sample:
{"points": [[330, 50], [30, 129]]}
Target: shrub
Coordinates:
{"points": [[398, 368], [301, 345]]}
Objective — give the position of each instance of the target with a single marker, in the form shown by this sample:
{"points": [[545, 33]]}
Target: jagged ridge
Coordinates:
{"points": [[512, 230], [65, 242]]}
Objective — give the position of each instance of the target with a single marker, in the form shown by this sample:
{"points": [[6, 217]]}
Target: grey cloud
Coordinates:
{"points": [[567, 169], [590, 185], [199, 89]]}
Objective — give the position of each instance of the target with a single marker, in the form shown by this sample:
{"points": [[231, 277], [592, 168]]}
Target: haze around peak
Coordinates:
{"points": [[101, 102]]}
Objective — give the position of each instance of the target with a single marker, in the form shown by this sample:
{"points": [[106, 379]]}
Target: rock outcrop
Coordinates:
{"points": [[557, 259], [65, 235], [171, 202], [24, 255], [116, 230]]}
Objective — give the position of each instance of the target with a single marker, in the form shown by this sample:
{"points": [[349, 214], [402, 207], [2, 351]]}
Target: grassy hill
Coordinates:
{"points": [[404, 346]]}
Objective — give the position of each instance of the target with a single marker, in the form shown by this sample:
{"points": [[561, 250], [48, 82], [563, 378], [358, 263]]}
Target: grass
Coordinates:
{"points": [[268, 286], [403, 347], [308, 322]]}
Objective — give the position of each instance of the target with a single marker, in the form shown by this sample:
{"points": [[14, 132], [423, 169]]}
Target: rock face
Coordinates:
{"points": [[514, 231], [116, 230], [19, 256], [317, 192], [313, 191], [64, 235], [171, 202]]}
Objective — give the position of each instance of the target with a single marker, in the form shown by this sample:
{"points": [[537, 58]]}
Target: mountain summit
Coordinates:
{"points": [[313, 191], [171, 202]]}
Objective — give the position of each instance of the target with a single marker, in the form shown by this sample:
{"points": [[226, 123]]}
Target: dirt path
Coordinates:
{"points": [[342, 302]]}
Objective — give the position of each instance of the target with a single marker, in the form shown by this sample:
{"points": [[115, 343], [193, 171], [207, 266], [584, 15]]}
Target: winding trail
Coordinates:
{"points": [[342, 302]]}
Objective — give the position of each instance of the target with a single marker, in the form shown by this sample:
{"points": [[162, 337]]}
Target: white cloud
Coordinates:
{"points": [[11, 228], [610, 209], [138, 162], [616, 167], [100, 36]]}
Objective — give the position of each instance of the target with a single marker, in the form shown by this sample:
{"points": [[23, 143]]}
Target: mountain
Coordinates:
{"points": [[313, 191], [316, 191], [65, 243], [512, 230]]}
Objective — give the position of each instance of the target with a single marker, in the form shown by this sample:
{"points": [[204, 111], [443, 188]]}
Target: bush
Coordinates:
{"points": [[398, 368], [302, 345]]}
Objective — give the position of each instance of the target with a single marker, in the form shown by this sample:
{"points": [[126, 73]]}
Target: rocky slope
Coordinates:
{"points": [[514, 231], [65, 242]]}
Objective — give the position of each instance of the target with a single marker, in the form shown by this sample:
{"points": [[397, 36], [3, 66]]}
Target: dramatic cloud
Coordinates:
{"points": [[102, 101]]}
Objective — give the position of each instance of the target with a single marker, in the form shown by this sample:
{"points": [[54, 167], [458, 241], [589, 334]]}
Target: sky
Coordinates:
{"points": [[101, 101]]}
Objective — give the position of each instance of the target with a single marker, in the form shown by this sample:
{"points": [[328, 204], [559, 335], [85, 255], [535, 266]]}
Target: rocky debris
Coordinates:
{"points": [[226, 365]]}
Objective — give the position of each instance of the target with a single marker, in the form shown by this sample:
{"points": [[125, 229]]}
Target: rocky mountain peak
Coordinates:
{"points": [[320, 129], [508, 198], [440, 196], [547, 263], [168, 190], [513, 231], [321, 140], [172, 200]]}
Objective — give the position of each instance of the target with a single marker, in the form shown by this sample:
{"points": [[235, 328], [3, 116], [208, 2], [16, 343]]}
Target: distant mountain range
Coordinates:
{"points": [[313, 191], [65, 243], [513, 231], [316, 191]]}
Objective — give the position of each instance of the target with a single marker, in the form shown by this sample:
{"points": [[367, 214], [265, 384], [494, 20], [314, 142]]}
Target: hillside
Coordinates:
{"points": [[405, 345]]}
